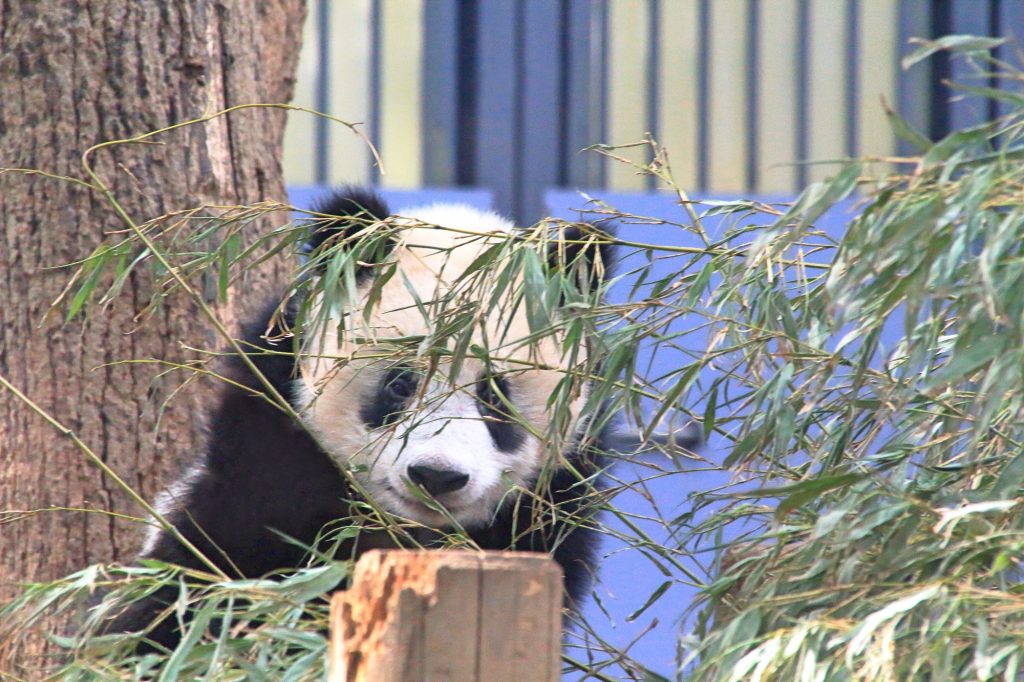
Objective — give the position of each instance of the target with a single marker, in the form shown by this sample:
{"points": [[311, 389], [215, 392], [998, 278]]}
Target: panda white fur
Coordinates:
{"points": [[406, 437]]}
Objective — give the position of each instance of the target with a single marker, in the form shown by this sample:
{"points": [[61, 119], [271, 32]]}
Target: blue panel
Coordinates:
{"points": [[969, 17], [497, 142], [1011, 26], [1011, 20], [440, 79], [628, 578], [304, 197], [541, 99]]}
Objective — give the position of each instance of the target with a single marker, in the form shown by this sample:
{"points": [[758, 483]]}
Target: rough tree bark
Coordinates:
{"points": [[72, 74]]}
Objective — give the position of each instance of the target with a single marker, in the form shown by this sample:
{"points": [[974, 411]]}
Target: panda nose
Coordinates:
{"points": [[437, 481]]}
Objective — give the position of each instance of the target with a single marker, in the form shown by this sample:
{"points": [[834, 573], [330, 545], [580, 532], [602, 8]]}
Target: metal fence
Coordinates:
{"points": [[503, 94]]}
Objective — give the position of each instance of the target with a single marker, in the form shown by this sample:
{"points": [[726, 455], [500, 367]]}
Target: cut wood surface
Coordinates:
{"points": [[448, 616]]}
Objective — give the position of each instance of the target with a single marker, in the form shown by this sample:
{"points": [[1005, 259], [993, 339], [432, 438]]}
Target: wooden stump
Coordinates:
{"points": [[451, 616]]}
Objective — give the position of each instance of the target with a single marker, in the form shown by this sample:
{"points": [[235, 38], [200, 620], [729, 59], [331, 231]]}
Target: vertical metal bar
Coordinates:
{"points": [[323, 79], [440, 103], [600, 86], [995, 28], [517, 209], [754, 89], [583, 102], [853, 78], [703, 94], [653, 72], [467, 89], [564, 84], [375, 84], [802, 92], [941, 24]]}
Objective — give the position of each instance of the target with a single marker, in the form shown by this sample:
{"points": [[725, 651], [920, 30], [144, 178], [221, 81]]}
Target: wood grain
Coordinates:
{"points": [[452, 616]]}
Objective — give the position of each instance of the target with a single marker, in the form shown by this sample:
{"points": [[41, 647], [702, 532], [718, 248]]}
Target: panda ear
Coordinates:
{"points": [[351, 209], [585, 249]]}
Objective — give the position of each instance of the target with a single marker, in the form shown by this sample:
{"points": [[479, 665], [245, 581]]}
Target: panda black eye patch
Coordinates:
{"points": [[494, 399], [396, 388]]}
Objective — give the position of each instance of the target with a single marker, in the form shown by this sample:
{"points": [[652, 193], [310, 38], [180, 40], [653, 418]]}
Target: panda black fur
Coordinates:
{"points": [[263, 477]]}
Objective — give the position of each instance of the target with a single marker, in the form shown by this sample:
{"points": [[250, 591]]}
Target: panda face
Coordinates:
{"points": [[456, 440], [408, 436], [417, 437]]}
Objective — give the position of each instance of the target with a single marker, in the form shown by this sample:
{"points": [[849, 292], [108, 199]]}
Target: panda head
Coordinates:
{"points": [[426, 439]]}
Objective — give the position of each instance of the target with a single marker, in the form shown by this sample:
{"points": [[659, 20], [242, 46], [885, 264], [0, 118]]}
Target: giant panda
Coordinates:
{"points": [[379, 433]]}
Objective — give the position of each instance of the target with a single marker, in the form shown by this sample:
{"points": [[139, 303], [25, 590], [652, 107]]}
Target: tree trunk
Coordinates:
{"points": [[73, 74]]}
